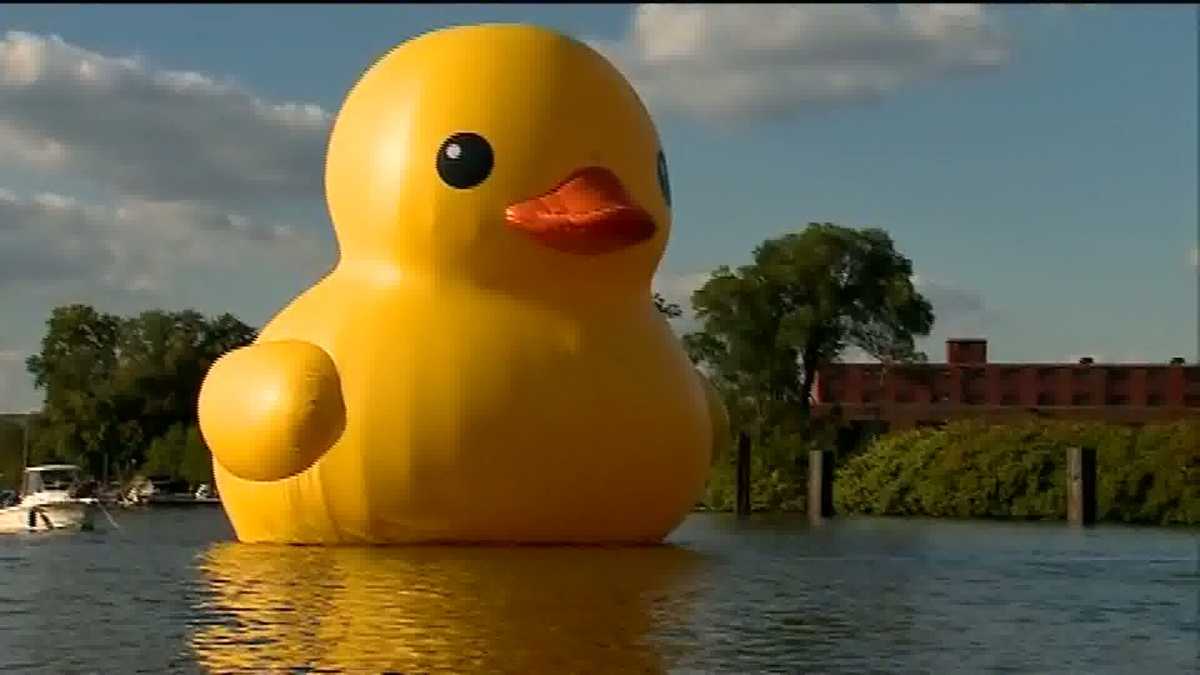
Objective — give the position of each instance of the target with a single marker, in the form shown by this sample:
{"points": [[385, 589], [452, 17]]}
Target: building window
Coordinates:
{"points": [[1080, 399], [1117, 399], [1045, 398], [1154, 399]]}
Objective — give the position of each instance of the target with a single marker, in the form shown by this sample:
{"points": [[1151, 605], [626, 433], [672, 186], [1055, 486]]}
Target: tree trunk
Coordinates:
{"points": [[806, 386]]}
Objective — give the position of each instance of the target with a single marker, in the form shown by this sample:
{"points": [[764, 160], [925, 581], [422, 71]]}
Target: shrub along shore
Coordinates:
{"points": [[1147, 475]]}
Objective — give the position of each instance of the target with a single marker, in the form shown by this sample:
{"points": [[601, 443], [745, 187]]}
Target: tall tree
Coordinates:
{"points": [[114, 385], [769, 326], [75, 367]]}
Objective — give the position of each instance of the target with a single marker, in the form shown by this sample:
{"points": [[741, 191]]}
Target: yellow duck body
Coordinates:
{"points": [[484, 363]]}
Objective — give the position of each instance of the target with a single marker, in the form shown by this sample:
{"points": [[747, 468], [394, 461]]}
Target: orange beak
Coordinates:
{"points": [[589, 213]]}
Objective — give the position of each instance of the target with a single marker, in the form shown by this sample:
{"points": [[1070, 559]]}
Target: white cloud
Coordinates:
{"points": [[950, 302], [135, 246], [1194, 256], [188, 168], [958, 311], [154, 134], [171, 174], [724, 62]]}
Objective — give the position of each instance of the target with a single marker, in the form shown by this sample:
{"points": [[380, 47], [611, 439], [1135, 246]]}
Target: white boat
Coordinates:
{"points": [[50, 501]]}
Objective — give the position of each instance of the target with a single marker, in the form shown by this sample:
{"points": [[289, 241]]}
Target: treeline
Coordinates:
{"points": [[11, 460], [120, 392], [806, 297], [767, 327]]}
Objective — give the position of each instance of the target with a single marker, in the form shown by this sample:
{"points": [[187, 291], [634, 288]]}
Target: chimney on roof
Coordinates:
{"points": [[966, 351], [1086, 360], [1177, 361]]}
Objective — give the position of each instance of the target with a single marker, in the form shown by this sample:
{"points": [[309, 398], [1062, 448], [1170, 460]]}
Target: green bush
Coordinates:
{"points": [[778, 466], [180, 453], [971, 470], [12, 460]]}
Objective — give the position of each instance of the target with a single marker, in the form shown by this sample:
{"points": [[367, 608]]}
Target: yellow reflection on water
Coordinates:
{"points": [[519, 609]]}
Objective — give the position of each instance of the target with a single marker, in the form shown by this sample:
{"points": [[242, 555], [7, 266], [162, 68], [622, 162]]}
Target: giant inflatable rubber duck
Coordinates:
{"points": [[484, 363]]}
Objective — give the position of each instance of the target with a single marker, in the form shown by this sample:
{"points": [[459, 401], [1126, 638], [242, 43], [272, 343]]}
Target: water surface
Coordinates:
{"points": [[171, 592]]}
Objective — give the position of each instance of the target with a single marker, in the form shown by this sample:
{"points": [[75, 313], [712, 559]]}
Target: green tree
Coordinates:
{"points": [[224, 334], [769, 326], [11, 454], [196, 465], [165, 454], [114, 385], [180, 453], [75, 367]]}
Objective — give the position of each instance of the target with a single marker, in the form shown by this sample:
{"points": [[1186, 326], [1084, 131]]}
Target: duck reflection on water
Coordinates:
{"points": [[491, 609]]}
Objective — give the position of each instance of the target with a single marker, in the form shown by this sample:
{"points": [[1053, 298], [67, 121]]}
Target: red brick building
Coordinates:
{"points": [[966, 385]]}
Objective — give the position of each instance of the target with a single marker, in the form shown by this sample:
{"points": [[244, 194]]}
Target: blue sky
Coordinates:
{"points": [[1037, 163]]}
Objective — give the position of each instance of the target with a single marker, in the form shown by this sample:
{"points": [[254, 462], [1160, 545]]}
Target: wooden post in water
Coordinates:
{"points": [[742, 489], [820, 485], [1081, 486]]}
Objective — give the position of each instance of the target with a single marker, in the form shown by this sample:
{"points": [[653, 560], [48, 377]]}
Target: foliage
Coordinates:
{"points": [[181, 453], [114, 385], [770, 325], [970, 469], [11, 457]]}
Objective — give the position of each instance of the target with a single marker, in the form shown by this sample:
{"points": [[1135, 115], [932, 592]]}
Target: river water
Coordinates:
{"points": [[170, 591]]}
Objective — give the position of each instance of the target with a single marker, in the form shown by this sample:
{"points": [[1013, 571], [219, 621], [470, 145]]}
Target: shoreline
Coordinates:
{"points": [[960, 519]]}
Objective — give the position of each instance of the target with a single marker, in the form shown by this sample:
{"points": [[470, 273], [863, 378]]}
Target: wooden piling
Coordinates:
{"points": [[743, 475], [1081, 486], [820, 485]]}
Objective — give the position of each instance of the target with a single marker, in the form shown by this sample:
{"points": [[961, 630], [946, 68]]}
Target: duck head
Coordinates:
{"points": [[508, 156]]}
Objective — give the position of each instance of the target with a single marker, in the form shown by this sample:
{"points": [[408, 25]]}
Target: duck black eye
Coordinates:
{"points": [[663, 181], [464, 160]]}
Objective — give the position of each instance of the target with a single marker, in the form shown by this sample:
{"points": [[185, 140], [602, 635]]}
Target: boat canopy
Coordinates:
{"points": [[52, 467], [50, 477]]}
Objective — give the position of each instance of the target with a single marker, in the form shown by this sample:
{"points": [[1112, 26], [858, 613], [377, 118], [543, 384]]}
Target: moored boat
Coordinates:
{"points": [[53, 497]]}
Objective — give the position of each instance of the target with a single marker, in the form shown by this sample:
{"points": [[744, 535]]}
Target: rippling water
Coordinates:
{"points": [[171, 592]]}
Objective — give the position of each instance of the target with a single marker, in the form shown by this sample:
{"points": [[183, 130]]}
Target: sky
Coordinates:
{"points": [[1038, 164]]}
